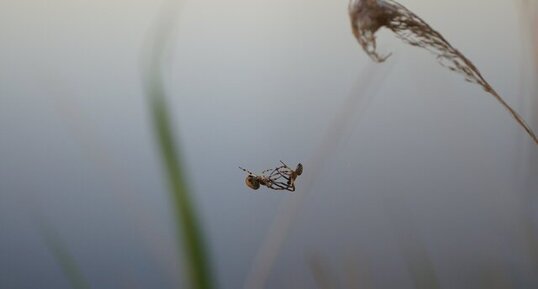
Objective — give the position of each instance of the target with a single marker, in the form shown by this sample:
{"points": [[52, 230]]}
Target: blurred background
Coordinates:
{"points": [[429, 183]]}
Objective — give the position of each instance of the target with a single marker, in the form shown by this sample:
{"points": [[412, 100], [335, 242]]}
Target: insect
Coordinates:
{"points": [[279, 178], [289, 174]]}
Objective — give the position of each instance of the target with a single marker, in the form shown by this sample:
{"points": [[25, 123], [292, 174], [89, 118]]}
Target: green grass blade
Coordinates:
{"points": [[188, 227], [65, 260], [190, 237]]}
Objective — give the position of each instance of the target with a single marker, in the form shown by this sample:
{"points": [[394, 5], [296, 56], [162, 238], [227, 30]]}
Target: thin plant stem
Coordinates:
{"points": [[63, 256], [188, 228]]}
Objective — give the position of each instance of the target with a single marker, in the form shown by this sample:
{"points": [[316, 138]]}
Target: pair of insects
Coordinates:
{"points": [[279, 178]]}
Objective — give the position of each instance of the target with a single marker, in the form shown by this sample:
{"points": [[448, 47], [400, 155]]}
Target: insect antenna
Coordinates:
{"points": [[245, 170], [268, 170]]}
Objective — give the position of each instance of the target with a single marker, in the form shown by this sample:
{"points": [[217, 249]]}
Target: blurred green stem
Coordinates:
{"points": [[62, 255], [188, 227]]}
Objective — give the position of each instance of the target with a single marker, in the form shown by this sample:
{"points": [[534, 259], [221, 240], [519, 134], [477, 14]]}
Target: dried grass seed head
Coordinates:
{"points": [[368, 16]]}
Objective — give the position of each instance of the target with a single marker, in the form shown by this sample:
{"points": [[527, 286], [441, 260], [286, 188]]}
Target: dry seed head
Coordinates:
{"points": [[368, 16]]}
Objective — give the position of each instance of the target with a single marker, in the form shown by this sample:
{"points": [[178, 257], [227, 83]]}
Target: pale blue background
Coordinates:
{"points": [[253, 82]]}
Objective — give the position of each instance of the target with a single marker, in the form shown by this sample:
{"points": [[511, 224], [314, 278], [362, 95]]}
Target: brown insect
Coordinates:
{"points": [[279, 178], [289, 174]]}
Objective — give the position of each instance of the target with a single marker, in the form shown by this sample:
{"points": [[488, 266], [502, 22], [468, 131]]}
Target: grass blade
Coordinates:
{"points": [[191, 241], [188, 226], [63, 257]]}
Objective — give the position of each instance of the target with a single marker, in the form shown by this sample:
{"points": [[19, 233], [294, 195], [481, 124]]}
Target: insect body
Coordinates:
{"points": [[279, 178], [289, 174], [254, 181]]}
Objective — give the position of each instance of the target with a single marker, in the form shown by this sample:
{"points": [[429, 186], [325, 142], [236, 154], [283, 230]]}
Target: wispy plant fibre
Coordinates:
{"points": [[368, 16]]}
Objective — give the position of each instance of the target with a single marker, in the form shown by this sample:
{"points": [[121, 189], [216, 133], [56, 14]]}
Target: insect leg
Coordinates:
{"points": [[249, 172]]}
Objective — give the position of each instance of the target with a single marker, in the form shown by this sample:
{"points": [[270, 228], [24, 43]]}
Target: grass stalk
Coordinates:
{"points": [[63, 257], [190, 238], [188, 227]]}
